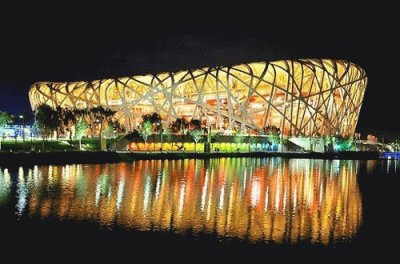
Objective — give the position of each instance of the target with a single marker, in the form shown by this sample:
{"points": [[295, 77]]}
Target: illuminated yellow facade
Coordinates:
{"points": [[307, 97], [274, 200]]}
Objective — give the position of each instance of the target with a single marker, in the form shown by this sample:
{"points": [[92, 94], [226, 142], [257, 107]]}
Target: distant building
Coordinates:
{"points": [[15, 131]]}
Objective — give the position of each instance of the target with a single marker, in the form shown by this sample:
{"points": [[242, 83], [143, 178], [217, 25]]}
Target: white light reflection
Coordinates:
{"points": [[210, 197], [255, 192], [284, 199], [182, 196], [308, 190], [277, 193], [37, 179], [146, 195], [109, 193], [321, 188], [158, 184], [120, 192], [98, 190], [221, 197], [5, 185], [50, 176], [66, 176], [22, 192], [266, 199], [388, 165], [244, 182], [204, 192]]}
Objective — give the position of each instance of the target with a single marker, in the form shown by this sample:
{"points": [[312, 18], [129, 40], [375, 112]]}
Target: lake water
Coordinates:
{"points": [[229, 206]]}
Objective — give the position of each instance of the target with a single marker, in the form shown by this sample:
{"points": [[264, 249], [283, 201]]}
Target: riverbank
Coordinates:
{"points": [[69, 157]]}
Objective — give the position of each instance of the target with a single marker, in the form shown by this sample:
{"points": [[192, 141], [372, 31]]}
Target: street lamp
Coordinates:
{"points": [[22, 131], [159, 124]]}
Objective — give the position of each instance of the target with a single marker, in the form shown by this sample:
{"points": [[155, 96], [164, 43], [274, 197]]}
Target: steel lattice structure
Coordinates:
{"points": [[309, 97]]}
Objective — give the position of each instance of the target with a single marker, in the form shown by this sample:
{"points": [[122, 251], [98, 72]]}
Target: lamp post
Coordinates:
{"points": [[249, 140], [161, 134], [22, 131]]}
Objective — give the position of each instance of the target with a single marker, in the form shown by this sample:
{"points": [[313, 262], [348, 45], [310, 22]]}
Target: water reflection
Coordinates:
{"points": [[5, 186], [283, 201]]}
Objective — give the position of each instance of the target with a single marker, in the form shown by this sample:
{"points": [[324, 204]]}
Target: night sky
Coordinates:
{"points": [[83, 45]]}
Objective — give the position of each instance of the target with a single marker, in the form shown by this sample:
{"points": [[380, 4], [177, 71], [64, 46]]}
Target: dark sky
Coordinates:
{"points": [[80, 44]]}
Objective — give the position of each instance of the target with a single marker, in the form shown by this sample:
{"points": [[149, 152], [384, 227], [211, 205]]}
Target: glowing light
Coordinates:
{"points": [[266, 199], [255, 192], [204, 193], [182, 196], [98, 190], [120, 192], [22, 192], [277, 193], [158, 184], [221, 197], [284, 199], [146, 195], [5, 186]]}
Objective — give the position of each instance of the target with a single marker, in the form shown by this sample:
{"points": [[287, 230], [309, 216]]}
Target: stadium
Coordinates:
{"points": [[305, 97]]}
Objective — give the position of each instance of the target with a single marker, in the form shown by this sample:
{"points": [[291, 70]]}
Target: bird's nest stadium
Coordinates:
{"points": [[305, 97]]}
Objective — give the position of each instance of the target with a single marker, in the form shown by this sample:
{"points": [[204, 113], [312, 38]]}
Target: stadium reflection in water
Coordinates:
{"points": [[271, 199]]}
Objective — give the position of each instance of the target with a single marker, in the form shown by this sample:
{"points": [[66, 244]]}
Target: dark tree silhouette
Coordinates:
{"points": [[195, 124], [179, 125], [47, 119]]}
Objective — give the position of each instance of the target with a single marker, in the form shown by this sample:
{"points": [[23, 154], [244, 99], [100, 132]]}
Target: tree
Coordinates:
{"points": [[273, 134], [215, 137], [239, 137], [328, 143], [80, 130], [69, 119], [5, 118], [59, 111], [47, 120], [133, 136], [35, 128], [395, 145], [197, 135], [274, 138], [65, 118], [80, 112], [272, 130], [195, 124], [145, 130], [252, 140], [101, 115], [153, 118], [344, 143], [168, 135], [117, 127], [179, 125]]}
